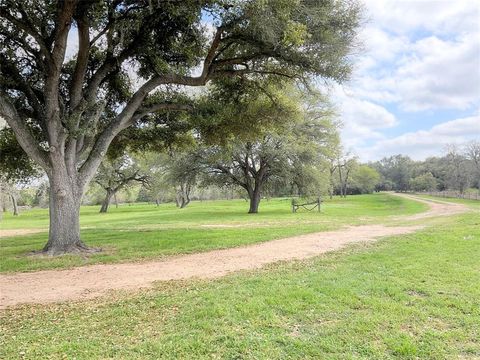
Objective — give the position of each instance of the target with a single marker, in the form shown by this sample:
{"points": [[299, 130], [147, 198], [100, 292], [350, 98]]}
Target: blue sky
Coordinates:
{"points": [[416, 83]]}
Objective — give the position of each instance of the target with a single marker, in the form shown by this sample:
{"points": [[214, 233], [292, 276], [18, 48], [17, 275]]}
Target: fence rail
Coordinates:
{"points": [[451, 194], [309, 206]]}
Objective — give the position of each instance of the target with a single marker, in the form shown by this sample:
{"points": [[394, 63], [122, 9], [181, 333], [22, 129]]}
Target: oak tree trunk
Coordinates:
{"points": [[184, 195], [255, 198], [64, 206], [14, 204], [184, 202], [106, 201], [177, 198]]}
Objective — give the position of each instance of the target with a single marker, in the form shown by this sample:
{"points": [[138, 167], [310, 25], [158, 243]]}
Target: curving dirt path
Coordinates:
{"points": [[95, 280], [437, 208]]}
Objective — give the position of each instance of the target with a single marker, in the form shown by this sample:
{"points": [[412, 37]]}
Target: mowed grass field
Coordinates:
{"points": [[414, 296], [137, 232]]}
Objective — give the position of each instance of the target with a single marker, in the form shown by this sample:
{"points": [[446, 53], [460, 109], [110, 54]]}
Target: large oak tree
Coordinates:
{"points": [[132, 56]]}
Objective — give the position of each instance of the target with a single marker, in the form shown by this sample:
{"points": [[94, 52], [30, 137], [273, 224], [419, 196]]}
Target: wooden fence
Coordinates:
{"points": [[309, 206]]}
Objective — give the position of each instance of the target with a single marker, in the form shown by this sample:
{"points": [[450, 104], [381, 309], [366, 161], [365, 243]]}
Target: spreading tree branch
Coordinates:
{"points": [[22, 133]]}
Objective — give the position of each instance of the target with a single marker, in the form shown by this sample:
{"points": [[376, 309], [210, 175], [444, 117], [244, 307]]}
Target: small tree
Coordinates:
{"points": [[396, 170], [458, 176], [424, 182], [117, 174], [11, 193], [472, 152], [182, 173], [289, 142], [365, 179], [345, 167], [15, 167]]}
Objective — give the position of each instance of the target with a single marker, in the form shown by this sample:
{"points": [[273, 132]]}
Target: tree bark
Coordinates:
{"points": [[341, 180], [14, 203], [255, 198], [106, 201], [185, 201], [2, 202], [184, 194], [64, 205]]}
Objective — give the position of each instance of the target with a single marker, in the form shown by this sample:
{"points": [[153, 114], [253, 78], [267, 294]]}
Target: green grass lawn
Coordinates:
{"points": [[144, 231], [406, 297]]}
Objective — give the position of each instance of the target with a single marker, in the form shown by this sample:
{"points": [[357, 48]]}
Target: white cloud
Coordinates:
{"points": [[421, 55], [435, 16], [361, 119], [380, 46], [439, 74], [469, 126], [423, 143], [365, 113], [430, 73]]}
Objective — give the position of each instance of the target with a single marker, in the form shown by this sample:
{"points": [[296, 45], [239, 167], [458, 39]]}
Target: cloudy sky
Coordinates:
{"points": [[416, 84]]}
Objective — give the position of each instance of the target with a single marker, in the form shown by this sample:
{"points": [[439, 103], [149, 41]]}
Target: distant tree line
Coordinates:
{"points": [[458, 169]]}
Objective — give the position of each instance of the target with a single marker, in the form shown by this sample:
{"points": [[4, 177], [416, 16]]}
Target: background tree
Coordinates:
{"points": [[11, 194], [458, 171], [131, 57], [159, 189], [346, 164], [472, 152], [397, 170], [116, 174], [182, 173], [42, 194], [332, 169], [364, 179], [424, 182], [15, 167], [287, 144], [438, 167], [311, 168]]}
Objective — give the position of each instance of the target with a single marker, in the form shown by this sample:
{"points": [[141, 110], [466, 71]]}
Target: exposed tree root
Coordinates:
{"points": [[78, 248]]}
